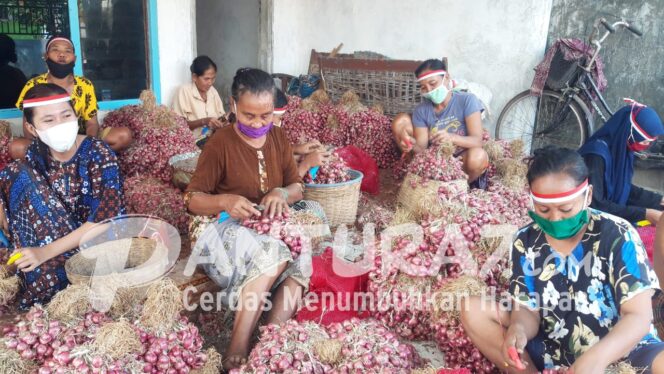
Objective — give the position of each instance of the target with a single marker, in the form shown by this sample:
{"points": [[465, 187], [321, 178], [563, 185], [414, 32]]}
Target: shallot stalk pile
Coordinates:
{"points": [[354, 345], [5, 139], [158, 133], [341, 124], [148, 195], [331, 172], [97, 344]]}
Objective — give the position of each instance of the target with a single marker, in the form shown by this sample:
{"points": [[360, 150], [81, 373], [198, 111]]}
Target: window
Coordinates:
{"points": [[115, 42], [113, 47]]}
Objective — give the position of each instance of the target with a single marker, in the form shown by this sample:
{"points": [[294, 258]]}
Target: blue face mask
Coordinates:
{"points": [[438, 94]]}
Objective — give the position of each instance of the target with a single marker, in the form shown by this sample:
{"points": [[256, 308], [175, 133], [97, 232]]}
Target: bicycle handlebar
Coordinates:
{"points": [[635, 30], [607, 25]]}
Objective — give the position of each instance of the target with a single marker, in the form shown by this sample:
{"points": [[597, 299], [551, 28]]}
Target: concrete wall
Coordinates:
{"points": [[492, 42], [634, 66], [177, 44], [228, 32]]}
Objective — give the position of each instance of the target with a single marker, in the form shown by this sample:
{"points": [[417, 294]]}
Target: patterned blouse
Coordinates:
{"points": [[578, 297], [83, 97]]}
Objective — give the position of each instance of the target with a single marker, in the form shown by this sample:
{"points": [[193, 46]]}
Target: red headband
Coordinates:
{"points": [[48, 100], [560, 197], [431, 74], [632, 119]]}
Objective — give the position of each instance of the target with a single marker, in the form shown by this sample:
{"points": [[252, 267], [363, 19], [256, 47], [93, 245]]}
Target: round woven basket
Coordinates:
{"points": [[183, 166], [81, 268], [339, 200]]}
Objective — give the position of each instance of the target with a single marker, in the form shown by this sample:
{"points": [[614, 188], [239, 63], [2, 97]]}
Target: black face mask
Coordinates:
{"points": [[60, 71]]}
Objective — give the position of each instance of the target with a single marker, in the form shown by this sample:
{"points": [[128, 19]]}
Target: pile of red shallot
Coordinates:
{"points": [[158, 133], [281, 228], [350, 346], [95, 344], [436, 164], [317, 118], [148, 195], [404, 278], [331, 172], [5, 139]]}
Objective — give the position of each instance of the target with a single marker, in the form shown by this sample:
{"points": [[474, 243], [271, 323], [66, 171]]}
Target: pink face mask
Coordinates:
{"points": [[252, 132]]}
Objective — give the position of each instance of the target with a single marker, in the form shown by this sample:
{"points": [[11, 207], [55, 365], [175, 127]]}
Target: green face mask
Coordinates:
{"points": [[564, 228], [438, 94]]}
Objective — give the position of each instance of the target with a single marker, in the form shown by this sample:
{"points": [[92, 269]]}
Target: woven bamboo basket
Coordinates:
{"points": [[184, 166], [339, 200], [418, 199], [140, 255]]}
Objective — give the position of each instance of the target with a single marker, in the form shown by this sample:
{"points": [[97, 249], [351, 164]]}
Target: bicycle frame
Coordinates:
{"points": [[592, 95]]}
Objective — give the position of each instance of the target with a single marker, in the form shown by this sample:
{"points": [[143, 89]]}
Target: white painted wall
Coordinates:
{"points": [[177, 44], [493, 42]]}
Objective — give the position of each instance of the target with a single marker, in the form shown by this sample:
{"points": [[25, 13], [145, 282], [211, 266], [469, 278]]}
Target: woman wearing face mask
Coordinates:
{"points": [[581, 284], [66, 184], [307, 155], [249, 163], [444, 115], [60, 59], [198, 101], [609, 154]]}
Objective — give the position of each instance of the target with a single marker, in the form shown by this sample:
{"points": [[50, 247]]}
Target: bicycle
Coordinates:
{"points": [[562, 115]]}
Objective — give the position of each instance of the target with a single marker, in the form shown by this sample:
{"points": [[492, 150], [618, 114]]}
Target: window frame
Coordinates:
{"points": [[153, 54]]}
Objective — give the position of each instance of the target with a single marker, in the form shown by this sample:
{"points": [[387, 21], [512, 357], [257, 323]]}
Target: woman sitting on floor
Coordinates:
{"points": [[609, 154], [444, 115], [245, 164], [66, 184], [581, 284]]}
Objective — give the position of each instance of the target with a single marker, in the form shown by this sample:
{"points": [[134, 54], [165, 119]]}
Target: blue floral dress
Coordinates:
{"points": [[578, 297], [44, 200]]}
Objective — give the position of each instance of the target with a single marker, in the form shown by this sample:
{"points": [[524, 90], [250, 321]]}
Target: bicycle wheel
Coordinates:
{"points": [[542, 121]]}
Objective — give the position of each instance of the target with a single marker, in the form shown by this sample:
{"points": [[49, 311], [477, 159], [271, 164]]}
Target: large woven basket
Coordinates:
{"points": [[183, 166], [94, 262], [418, 199], [339, 200]]}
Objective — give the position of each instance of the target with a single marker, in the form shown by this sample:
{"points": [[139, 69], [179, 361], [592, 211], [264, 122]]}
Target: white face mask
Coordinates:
{"points": [[60, 138]]}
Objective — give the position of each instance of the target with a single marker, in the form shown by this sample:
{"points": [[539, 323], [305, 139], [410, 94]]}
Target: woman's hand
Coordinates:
{"points": [[275, 203], [239, 208], [653, 215], [443, 136], [32, 258], [514, 337], [588, 363], [214, 123], [306, 148], [406, 141], [316, 159]]}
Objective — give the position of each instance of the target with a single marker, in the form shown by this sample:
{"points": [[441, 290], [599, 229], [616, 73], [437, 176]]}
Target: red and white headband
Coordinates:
{"points": [[632, 119], [59, 40], [560, 197], [48, 100], [279, 111], [430, 74]]}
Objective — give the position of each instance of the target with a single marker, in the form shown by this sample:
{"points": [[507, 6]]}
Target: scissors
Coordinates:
{"points": [[223, 216]]}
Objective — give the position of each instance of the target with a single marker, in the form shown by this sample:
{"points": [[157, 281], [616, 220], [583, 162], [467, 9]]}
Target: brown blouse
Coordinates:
{"points": [[228, 165]]}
